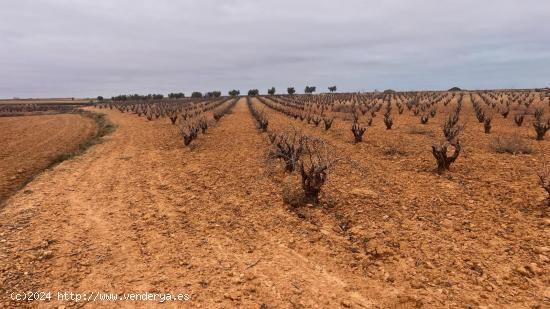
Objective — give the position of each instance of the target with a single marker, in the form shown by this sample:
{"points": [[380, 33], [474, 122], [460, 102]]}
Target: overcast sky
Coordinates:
{"points": [[55, 48]]}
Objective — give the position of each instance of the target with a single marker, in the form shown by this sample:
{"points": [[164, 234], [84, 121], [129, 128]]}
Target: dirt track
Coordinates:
{"points": [[142, 213]]}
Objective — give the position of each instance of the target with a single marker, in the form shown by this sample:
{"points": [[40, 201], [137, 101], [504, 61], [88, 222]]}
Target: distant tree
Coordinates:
{"points": [[212, 94], [290, 90], [332, 88], [234, 92], [121, 97], [100, 98], [271, 91], [253, 92], [309, 89], [135, 97], [177, 95], [196, 94]]}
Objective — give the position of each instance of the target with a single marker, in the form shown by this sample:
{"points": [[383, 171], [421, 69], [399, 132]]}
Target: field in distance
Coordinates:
{"points": [[46, 101]]}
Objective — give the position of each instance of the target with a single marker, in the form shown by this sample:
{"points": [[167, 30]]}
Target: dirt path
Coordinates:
{"points": [[141, 213]]}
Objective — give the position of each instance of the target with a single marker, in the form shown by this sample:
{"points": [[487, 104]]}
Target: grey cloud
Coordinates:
{"points": [[88, 48]]}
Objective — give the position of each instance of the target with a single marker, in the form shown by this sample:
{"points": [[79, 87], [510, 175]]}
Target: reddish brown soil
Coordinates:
{"points": [[29, 143], [142, 213]]}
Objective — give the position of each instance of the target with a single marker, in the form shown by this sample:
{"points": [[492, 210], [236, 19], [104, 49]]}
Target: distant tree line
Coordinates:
{"points": [[209, 94], [213, 94], [178, 95], [137, 97]]}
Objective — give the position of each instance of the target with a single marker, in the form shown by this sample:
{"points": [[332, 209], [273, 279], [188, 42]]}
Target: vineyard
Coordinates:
{"points": [[12, 108], [358, 112], [354, 200]]}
